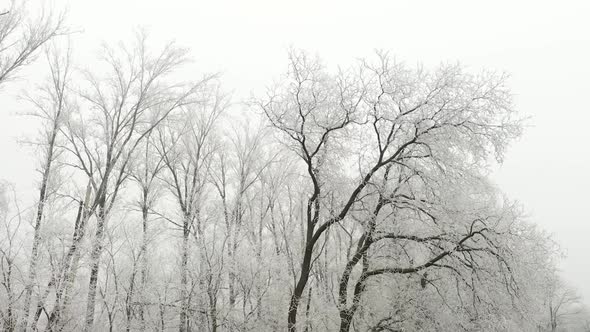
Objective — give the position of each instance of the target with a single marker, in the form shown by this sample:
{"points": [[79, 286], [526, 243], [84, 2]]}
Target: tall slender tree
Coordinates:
{"points": [[187, 146], [51, 105]]}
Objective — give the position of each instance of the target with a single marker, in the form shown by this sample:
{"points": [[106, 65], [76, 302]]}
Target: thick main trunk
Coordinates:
{"points": [[553, 319], [94, 269], [8, 317], [67, 274], [364, 243], [313, 207], [233, 250], [232, 246], [33, 262], [162, 312], [211, 293], [233, 266], [40, 305], [184, 302], [346, 314], [34, 259], [129, 299], [63, 294], [143, 267], [37, 230], [300, 286], [345, 320]]}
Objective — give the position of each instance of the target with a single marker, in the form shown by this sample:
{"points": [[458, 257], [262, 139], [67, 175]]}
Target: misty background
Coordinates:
{"points": [[543, 45]]}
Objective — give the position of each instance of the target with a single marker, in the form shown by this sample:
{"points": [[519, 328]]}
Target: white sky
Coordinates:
{"points": [[544, 45]]}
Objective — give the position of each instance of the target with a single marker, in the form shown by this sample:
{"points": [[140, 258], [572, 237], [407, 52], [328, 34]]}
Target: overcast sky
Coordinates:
{"points": [[544, 45]]}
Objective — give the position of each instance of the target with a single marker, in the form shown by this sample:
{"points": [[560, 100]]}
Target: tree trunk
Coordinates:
{"points": [[129, 299], [37, 231], [143, 262], [213, 309], [94, 268], [345, 320], [300, 287], [8, 318], [67, 273], [184, 305], [308, 325]]}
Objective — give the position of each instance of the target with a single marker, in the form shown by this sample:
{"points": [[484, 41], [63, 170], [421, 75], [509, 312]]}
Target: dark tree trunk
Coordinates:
{"points": [[94, 268], [184, 300]]}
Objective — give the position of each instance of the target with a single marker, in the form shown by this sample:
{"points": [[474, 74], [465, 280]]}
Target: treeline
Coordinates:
{"points": [[355, 200]]}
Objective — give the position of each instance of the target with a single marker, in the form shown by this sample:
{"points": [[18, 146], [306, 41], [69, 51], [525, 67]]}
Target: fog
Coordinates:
{"points": [[543, 46]]}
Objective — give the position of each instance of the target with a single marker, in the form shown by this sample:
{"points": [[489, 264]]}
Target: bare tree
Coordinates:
{"points": [[240, 164], [187, 146], [359, 201], [562, 302], [144, 173], [11, 219], [50, 105], [21, 37], [123, 108], [466, 245], [395, 111]]}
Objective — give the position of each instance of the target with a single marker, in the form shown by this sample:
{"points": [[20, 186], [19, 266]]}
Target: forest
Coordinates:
{"points": [[355, 199]]}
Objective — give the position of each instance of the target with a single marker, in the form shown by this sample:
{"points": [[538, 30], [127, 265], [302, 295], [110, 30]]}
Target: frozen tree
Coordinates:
{"points": [[21, 36], [145, 171], [186, 147], [350, 200], [51, 106], [379, 115], [116, 113], [11, 219], [561, 302]]}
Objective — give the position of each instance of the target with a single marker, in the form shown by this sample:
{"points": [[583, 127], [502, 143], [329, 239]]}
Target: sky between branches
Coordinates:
{"points": [[544, 45]]}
